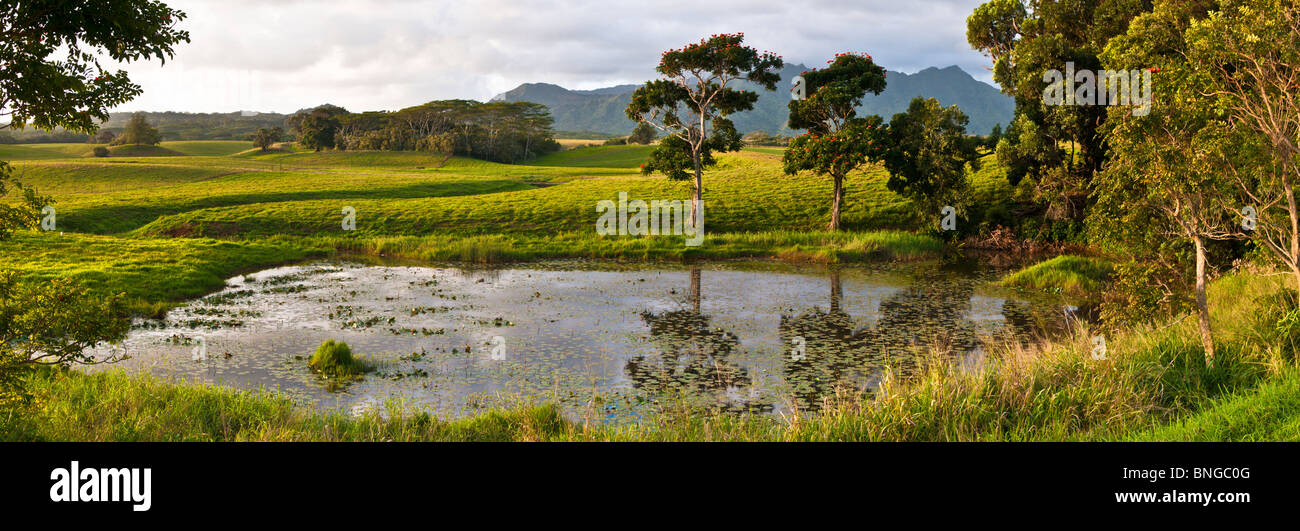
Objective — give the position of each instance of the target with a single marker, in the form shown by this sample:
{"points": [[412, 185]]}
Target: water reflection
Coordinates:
{"points": [[693, 359], [720, 336]]}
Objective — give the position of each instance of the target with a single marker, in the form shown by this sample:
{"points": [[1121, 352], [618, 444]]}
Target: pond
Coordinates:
{"points": [[605, 341]]}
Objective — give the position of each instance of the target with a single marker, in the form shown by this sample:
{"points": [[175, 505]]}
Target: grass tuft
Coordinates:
{"points": [[1077, 276], [334, 358]]}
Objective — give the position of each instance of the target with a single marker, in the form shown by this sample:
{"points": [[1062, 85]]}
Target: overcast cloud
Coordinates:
{"points": [[284, 55]]}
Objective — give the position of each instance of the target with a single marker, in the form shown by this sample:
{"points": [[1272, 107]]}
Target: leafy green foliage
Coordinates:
{"points": [[1166, 181], [675, 156], [496, 131], [316, 130], [76, 92], [138, 132], [1024, 40], [52, 324], [644, 133], [1244, 54], [837, 141], [856, 143], [927, 155], [264, 137], [695, 81], [25, 213], [835, 92]]}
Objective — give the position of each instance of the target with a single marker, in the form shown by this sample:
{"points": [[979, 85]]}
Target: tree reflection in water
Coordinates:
{"points": [[693, 361], [928, 321], [840, 357]]}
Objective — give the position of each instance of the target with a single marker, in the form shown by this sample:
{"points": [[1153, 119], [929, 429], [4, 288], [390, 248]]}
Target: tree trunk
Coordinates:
{"points": [[837, 291], [1202, 308], [836, 201], [1295, 271], [697, 195], [695, 289]]}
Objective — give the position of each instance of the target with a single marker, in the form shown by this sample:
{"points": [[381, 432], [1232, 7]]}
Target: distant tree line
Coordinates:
{"points": [[495, 131], [199, 126]]}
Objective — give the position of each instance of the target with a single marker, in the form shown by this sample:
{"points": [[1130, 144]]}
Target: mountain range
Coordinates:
{"points": [[601, 110]]}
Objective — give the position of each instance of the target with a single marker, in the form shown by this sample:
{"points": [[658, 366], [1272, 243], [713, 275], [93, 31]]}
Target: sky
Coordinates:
{"points": [[285, 55]]}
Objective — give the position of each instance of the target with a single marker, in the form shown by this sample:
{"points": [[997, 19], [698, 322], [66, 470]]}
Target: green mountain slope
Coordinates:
{"points": [[601, 110]]}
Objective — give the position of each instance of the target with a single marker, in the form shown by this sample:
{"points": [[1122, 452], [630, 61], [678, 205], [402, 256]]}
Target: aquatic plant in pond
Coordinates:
{"points": [[334, 358]]}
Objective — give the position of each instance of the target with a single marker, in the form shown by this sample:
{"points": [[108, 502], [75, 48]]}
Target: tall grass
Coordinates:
{"points": [[1079, 276], [824, 247], [115, 406]]}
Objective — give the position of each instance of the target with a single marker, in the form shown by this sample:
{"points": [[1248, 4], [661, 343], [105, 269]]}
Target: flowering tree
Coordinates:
{"points": [[695, 81], [837, 141]]}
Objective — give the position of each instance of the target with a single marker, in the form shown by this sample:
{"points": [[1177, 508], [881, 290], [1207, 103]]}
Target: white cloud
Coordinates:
{"points": [[368, 55]]}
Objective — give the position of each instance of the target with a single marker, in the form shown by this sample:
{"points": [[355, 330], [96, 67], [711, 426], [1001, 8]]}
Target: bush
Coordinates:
{"points": [[619, 141], [643, 134], [100, 151], [334, 358]]}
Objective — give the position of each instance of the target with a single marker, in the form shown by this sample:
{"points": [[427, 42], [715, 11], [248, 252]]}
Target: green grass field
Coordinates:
{"points": [[407, 193], [423, 206]]}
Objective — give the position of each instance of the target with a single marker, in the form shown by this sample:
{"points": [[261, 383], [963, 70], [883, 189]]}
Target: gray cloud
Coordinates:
{"points": [[367, 55]]}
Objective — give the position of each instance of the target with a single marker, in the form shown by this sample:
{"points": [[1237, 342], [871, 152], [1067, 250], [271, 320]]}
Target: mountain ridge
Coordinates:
{"points": [[601, 110]]}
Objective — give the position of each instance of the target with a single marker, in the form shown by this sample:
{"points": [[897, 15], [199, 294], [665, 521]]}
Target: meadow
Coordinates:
{"points": [[113, 212], [170, 225]]}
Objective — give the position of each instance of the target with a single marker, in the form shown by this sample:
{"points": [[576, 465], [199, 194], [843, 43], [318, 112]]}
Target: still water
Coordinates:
{"points": [[604, 341]]}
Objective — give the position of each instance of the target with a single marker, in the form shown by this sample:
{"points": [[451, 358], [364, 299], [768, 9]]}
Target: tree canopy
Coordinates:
{"points": [[691, 101], [75, 91], [1058, 148], [837, 141], [927, 155], [138, 132]]}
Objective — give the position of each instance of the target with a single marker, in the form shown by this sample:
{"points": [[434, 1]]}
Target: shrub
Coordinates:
{"points": [[100, 151]]}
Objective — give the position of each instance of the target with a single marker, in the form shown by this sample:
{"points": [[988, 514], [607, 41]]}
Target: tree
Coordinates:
{"points": [[1249, 50], [139, 132], [23, 213], [991, 141], [1058, 147], [104, 136], [317, 126], [695, 79], [264, 137], [644, 133], [926, 154], [316, 131], [54, 322], [837, 141], [75, 92], [1166, 183]]}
